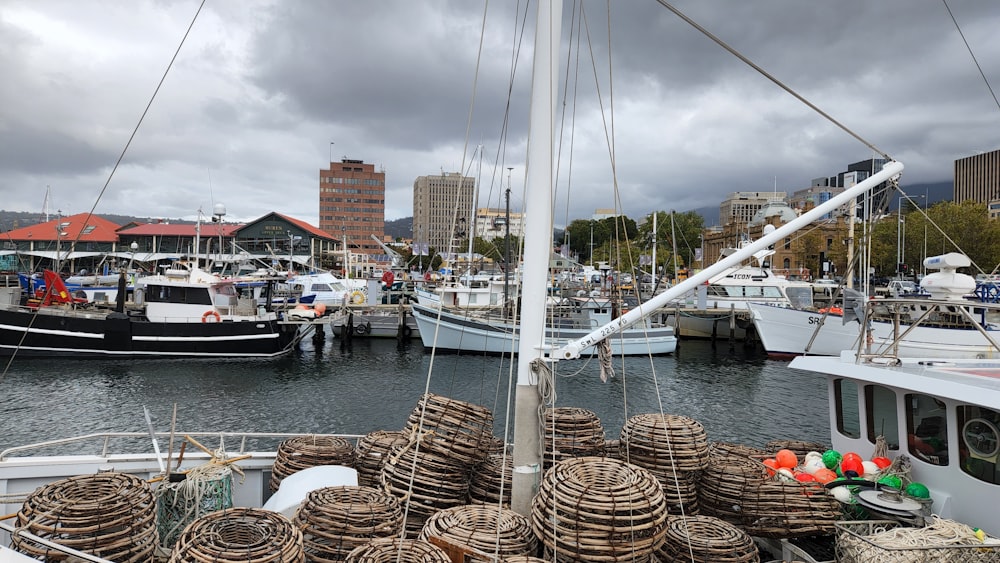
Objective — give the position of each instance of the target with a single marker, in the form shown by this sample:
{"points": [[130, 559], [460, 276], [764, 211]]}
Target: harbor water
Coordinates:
{"points": [[737, 393]]}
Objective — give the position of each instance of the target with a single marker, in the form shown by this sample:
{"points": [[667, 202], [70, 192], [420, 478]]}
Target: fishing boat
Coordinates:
{"points": [[490, 332], [564, 525], [942, 415], [183, 312], [947, 323], [327, 288], [702, 311]]}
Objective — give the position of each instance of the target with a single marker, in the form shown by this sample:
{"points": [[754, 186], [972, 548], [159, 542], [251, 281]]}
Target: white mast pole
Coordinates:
{"points": [[537, 252]]}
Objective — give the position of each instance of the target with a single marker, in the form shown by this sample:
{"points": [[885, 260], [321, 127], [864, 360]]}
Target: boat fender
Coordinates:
{"points": [[387, 278], [361, 329], [407, 331], [207, 314], [357, 297]]}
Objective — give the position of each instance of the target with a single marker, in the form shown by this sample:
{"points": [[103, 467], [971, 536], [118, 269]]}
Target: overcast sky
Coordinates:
{"points": [[261, 89]]}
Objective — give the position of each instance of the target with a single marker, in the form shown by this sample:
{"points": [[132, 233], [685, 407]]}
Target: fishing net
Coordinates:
{"points": [[204, 489]]}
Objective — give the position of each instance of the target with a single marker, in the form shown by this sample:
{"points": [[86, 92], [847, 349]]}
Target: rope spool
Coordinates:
{"points": [[110, 515], [703, 539], [249, 535], [372, 451], [489, 477], [395, 550], [204, 489], [498, 531], [571, 432], [336, 520], [459, 430], [301, 452], [599, 509]]}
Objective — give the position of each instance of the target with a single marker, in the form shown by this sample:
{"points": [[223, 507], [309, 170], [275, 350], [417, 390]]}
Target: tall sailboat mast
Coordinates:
{"points": [[537, 252]]}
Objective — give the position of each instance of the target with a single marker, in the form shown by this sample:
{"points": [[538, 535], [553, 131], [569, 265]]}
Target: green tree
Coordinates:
{"points": [[687, 228]]}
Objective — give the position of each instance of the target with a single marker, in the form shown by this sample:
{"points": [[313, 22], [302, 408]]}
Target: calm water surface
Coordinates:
{"points": [[737, 394]]}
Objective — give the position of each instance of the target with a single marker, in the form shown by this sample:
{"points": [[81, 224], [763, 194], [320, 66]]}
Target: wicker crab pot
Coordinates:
{"points": [[424, 483], [704, 539], [110, 515], [571, 432], [458, 430], [335, 520], [302, 452], [599, 509], [372, 451], [495, 531], [489, 477], [395, 550], [249, 535]]}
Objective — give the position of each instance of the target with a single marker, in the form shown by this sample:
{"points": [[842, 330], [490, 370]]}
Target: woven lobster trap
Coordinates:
{"points": [[110, 515], [875, 541], [372, 451], [704, 539], [499, 532], [725, 482], [799, 447], [247, 535], [571, 432], [655, 440], [335, 520], [728, 449], [599, 509], [459, 430], [396, 550], [775, 508], [303, 452], [492, 480], [423, 482]]}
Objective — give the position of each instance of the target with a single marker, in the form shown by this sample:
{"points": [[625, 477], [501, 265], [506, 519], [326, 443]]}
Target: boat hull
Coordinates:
{"points": [[456, 333], [82, 334], [787, 332]]}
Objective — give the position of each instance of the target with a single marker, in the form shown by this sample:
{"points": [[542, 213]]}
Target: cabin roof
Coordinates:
{"points": [[82, 226]]}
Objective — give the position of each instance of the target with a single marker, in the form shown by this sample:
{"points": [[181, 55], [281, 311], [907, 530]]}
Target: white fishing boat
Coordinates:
{"points": [[945, 324], [461, 331], [707, 311], [941, 414], [328, 289]]}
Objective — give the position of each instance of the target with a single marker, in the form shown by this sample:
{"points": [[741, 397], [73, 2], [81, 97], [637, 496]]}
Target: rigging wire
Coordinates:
{"points": [[973, 55]]}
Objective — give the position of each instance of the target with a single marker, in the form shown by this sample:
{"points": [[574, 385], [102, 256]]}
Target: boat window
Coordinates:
{"points": [[752, 291], [880, 406], [171, 294], [316, 287], [848, 418], [979, 442], [926, 429], [799, 297]]}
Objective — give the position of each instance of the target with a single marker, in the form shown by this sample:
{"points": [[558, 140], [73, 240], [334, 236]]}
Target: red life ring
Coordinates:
{"points": [[427, 276], [388, 277], [206, 314]]}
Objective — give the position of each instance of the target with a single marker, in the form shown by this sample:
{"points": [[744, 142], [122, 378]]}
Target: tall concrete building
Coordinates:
{"points": [[352, 204], [977, 178], [442, 208]]}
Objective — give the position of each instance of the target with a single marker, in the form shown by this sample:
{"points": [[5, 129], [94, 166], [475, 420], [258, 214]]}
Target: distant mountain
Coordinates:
{"points": [[400, 228]]}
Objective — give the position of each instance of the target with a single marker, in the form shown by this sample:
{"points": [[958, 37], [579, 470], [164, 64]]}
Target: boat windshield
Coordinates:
{"points": [[800, 297]]}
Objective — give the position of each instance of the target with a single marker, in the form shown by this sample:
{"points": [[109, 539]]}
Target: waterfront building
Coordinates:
{"points": [[977, 177], [442, 208], [352, 204], [491, 223], [740, 207]]}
